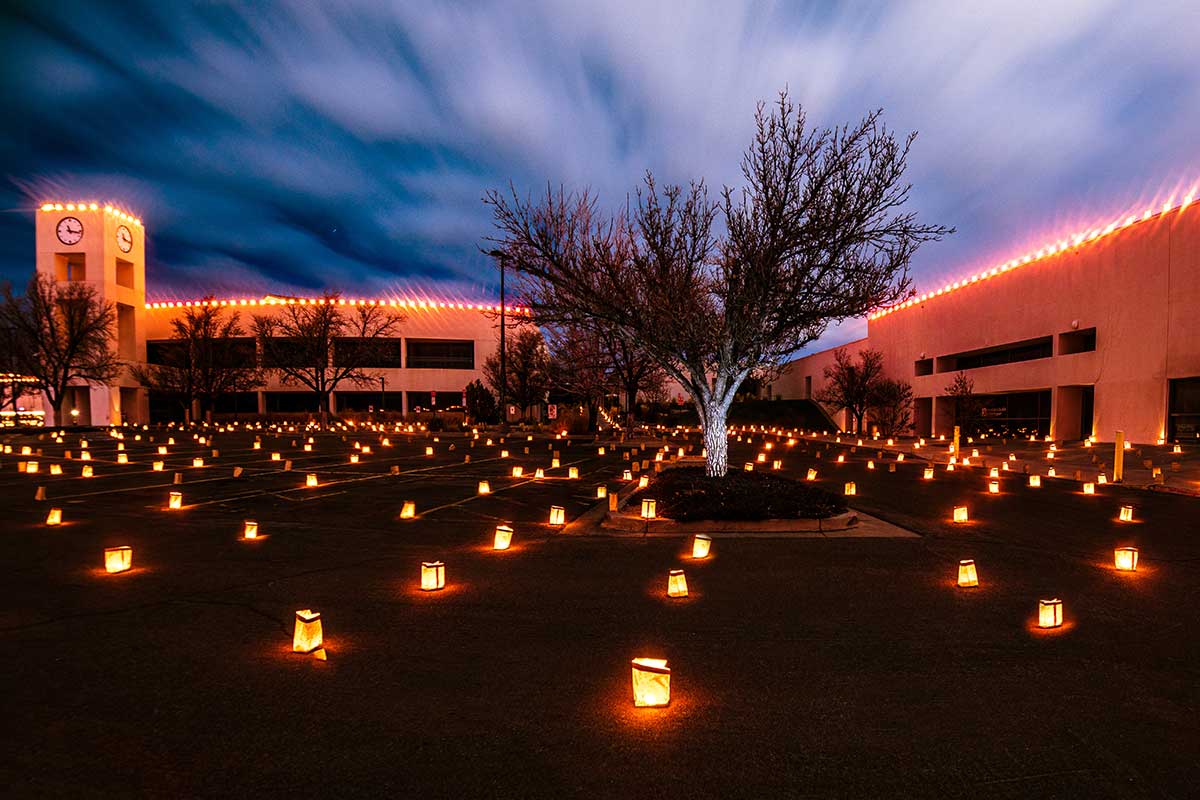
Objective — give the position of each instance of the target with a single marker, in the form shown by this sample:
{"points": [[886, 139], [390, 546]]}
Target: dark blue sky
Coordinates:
{"points": [[310, 145]]}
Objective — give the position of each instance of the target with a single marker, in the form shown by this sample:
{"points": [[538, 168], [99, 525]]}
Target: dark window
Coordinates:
{"points": [[1183, 410], [1077, 342], [440, 354], [1016, 414], [285, 402], [236, 403], [368, 353], [282, 352], [365, 401], [992, 356], [923, 367], [165, 351]]}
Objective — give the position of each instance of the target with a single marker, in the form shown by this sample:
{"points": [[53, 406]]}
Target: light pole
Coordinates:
{"points": [[500, 257]]}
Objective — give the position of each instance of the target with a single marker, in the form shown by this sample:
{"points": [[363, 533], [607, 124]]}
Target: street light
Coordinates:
{"points": [[500, 256]]}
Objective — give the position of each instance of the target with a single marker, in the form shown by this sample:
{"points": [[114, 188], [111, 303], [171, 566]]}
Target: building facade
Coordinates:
{"points": [[1092, 334], [439, 348]]}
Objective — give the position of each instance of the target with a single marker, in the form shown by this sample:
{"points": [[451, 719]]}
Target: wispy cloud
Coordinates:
{"points": [[305, 145]]}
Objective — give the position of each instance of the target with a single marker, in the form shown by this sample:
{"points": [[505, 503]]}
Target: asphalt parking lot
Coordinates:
{"points": [[815, 667]]}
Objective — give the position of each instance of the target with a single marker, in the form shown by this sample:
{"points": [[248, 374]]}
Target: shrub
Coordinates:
{"points": [[686, 494]]}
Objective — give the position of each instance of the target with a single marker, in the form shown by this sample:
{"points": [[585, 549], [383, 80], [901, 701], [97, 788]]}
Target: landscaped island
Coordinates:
{"points": [[685, 494]]}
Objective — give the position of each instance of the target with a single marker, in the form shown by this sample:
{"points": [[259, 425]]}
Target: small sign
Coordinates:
{"points": [[552, 411]]}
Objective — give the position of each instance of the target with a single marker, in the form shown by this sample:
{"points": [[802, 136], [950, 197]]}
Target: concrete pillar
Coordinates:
{"points": [[262, 401], [404, 404]]}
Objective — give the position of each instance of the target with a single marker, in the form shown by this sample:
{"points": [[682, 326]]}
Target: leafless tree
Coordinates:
{"points": [[579, 365], [852, 385], [967, 406], [321, 343], [892, 406], [816, 236], [635, 371], [61, 334], [527, 370], [203, 360]]}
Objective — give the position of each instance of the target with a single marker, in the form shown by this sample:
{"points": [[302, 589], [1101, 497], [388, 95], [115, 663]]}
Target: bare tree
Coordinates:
{"points": [[816, 236], [203, 360], [527, 370], [636, 371], [892, 406], [967, 406], [852, 386], [319, 344], [579, 364], [61, 335]]}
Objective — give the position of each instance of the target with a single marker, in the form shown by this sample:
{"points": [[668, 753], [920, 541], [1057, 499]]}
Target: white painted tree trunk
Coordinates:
{"points": [[713, 416]]}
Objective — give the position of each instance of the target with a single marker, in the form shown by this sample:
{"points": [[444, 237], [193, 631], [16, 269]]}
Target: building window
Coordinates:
{"points": [[368, 353], [126, 336], [1010, 353], [125, 273], [70, 267], [440, 354], [1077, 342], [1183, 410], [923, 367], [291, 402]]}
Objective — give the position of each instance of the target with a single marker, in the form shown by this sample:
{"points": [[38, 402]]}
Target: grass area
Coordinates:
{"points": [[686, 494]]}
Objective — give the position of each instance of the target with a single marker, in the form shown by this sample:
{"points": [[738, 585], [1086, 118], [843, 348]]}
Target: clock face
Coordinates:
{"points": [[124, 239], [70, 230]]}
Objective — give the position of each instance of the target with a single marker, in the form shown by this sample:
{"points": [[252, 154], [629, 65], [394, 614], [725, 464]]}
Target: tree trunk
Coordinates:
{"points": [[630, 404], [593, 413], [323, 407], [716, 442], [56, 407]]}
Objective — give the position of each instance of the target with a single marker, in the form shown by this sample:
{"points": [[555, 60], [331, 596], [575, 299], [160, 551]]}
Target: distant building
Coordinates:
{"points": [[1095, 333], [441, 346]]}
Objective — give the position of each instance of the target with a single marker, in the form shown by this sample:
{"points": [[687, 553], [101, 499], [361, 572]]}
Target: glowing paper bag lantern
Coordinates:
{"points": [[428, 451], [841, 459], [310, 479], [960, 514], [555, 463], [157, 466], [994, 472], [518, 472], [812, 475], [994, 487], [504, 454], [54, 517], [651, 682], [433, 576], [197, 462], [649, 509], [749, 467], [1050, 613], [676, 584], [1050, 473], [1125, 559], [851, 488], [484, 487], [408, 510], [162, 449], [539, 473], [250, 529], [307, 635], [870, 464], [308, 448], [1101, 478], [276, 456], [967, 576], [701, 544], [1089, 488], [1035, 481], [87, 471], [573, 473], [56, 469], [900, 456], [928, 474], [118, 559], [601, 492], [777, 465], [31, 467], [175, 501], [627, 475], [503, 538], [84, 455], [1126, 514], [558, 515], [354, 458]]}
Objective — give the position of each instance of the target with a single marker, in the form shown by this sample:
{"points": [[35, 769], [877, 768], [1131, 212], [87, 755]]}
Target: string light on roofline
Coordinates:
{"points": [[1047, 250]]}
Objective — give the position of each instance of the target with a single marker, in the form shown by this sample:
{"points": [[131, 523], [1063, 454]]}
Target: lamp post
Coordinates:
{"points": [[500, 257]]}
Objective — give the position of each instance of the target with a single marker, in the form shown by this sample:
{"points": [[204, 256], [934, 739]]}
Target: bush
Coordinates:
{"points": [[686, 494]]}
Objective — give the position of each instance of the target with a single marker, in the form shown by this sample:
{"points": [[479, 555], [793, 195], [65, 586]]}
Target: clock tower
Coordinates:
{"points": [[103, 246]]}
